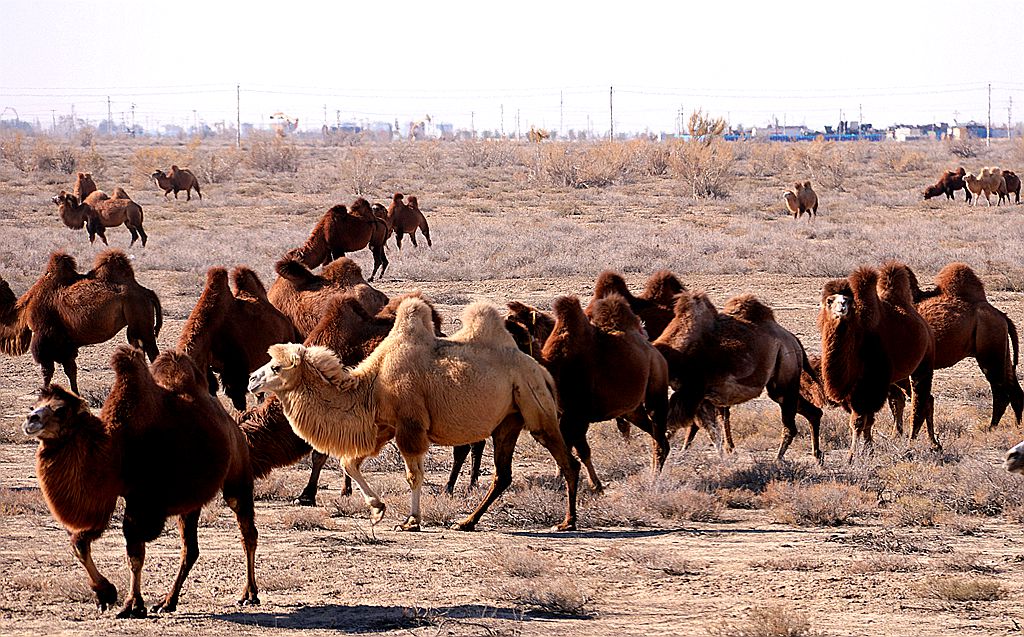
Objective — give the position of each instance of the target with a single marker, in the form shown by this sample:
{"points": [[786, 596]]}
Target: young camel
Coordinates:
{"points": [[421, 389], [406, 219], [165, 446]]}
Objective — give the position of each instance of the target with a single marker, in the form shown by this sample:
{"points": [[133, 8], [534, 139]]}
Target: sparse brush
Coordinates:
{"points": [[21, 502], [962, 148], [708, 168], [766, 621], [666, 561], [559, 595], [272, 154], [828, 504], [517, 562], [967, 563], [828, 163], [217, 166], [961, 589], [883, 564], [306, 519], [899, 159], [361, 172], [789, 563], [912, 510]]}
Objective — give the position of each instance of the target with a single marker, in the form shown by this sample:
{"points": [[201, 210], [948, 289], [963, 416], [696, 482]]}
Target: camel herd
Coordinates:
{"points": [[346, 369], [991, 181]]}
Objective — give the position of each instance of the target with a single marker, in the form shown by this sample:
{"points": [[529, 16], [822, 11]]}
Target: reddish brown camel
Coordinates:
{"points": [[343, 230], [407, 219], [99, 212]]}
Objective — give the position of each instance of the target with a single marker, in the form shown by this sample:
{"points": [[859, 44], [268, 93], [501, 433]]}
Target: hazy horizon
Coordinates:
{"points": [[797, 62]]}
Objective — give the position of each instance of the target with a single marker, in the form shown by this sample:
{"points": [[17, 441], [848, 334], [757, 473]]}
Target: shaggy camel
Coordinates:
{"points": [[177, 180], [343, 230], [1012, 187], [802, 199], [654, 313], [605, 368], [163, 445], [719, 359], [990, 182], [406, 219], [303, 296], [871, 337], [229, 333], [99, 212], [65, 310], [421, 389], [948, 183], [84, 186]]}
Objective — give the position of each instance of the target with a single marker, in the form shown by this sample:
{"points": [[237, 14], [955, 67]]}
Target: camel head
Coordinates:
{"points": [[1014, 462], [158, 175], [282, 373], [54, 413], [838, 306]]}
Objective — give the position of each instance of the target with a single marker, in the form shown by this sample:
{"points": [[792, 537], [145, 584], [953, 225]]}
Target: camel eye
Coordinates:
{"points": [[275, 368]]}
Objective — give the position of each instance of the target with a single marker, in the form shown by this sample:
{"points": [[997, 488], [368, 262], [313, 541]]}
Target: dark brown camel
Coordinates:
{"points": [[65, 310], [656, 310], [229, 333], [343, 230], [99, 212], [165, 446], [406, 219], [871, 337], [720, 359]]}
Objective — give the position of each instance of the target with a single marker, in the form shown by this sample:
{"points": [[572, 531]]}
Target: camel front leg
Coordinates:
{"points": [[188, 527], [135, 606], [81, 546], [372, 499], [414, 476]]}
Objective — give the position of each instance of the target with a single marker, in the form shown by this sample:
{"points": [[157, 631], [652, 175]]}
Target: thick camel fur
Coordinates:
{"points": [[84, 186], [655, 315], [872, 336], [720, 359], [420, 389], [165, 446], [343, 230], [303, 296], [65, 310], [229, 333], [407, 219], [99, 212], [606, 368]]}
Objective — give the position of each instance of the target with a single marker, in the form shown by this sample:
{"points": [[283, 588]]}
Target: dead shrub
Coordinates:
{"points": [[826, 504], [55, 588], [47, 157], [967, 563], [22, 502], [273, 154], [767, 621], [145, 160], [913, 510], [708, 168], [883, 564], [580, 166], [306, 519], [685, 504], [13, 151], [517, 562], [962, 148], [899, 159], [827, 162], [665, 561], [789, 563], [361, 173], [767, 159], [217, 166], [555, 595], [489, 154], [961, 589]]}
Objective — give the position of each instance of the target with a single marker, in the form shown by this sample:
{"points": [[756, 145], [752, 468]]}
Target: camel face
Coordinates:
{"points": [[280, 373], [47, 419], [1014, 462], [838, 306]]}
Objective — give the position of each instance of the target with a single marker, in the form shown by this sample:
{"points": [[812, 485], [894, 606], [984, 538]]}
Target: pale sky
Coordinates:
{"points": [[920, 61]]}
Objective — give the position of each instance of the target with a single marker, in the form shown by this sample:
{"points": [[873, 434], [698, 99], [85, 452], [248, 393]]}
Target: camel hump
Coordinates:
{"points": [[959, 280], [210, 310], [175, 371], [128, 362], [807, 185], [482, 323], [414, 320], [291, 269], [695, 313], [119, 193], [398, 197], [245, 280], [613, 314], [62, 268], [114, 265], [414, 202], [343, 272], [336, 212], [609, 282], [389, 311], [662, 288], [894, 284], [749, 308], [361, 209], [568, 311]]}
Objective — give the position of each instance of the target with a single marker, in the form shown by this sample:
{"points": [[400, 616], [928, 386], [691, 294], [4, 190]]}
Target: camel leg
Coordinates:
{"points": [[317, 461], [143, 235], [140, 334], [724, 413], [897, 405], [575, 436], [412, 237], [81, 546], [690, 435], [788, 405], [239, 498], [1006, 389], [48, 368], [135, 235], [398, 238], [426, 233], [921, 400], [459, 455], [414, 476], [135, 606], [380, 260], [370, 496], [813, 414], [707, 414], [555, 444], [856, 426], [504, 438], [659, 444], [188, 527], [71, 371], [477, 457]]}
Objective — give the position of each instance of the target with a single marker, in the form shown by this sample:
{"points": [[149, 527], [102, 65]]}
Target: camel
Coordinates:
{"points": [[229, 333], [720, 359], [948, 183], [653, 310], [1012, 187], [801, 199], [605, 368], [303, 296], [65, 310], [177, 180], [343, 230], [164, 445], [84, 186], [871, 337], [406, 219], [990, 182], [99, 212], [422, 389], [1014, 461]]}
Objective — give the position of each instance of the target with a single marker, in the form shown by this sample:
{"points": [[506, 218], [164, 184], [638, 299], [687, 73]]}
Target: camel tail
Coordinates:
{"points": [[1012, 329], [158, 311]]}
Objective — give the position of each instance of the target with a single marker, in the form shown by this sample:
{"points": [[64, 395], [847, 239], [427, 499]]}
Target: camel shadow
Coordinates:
{"points": [[362, 618]]}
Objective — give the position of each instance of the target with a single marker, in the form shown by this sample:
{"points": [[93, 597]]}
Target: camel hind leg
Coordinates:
{"points": [[188, 527], [317, 461], [238, 495], [504, 438], [426, 232], [459, 455], [81, 546], [656, 430], [812, 413], [923, 405], [552, 440]]}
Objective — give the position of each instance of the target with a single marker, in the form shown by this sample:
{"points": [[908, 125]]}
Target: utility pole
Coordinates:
{"points": [[195, 122], [1009, 119], [238, 115], [53, 116], [110, 117], [518, 131], [133, 118], [988, 127], [611, 113], [472, 124], [503, 120], [325, 114], [561, 113]]}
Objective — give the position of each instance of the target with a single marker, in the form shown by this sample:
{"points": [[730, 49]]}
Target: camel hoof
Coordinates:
{"points": [[163, 607], [597, 489], [377, 513], [131, 611], [464, 526], [411, 525], [305, 501], [249, 600], [564, 526], [106, 596]]}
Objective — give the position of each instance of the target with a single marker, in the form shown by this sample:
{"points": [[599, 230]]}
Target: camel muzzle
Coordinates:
{"points": [[1014, 462], [256, 381], [34, 422]]}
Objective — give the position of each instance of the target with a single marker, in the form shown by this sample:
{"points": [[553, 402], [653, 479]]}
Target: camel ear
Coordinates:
{"points": [[294, 358]]}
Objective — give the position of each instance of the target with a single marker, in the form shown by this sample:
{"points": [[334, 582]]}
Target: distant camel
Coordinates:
{"points": [[343, 230], [99, 212], [406, 219]]}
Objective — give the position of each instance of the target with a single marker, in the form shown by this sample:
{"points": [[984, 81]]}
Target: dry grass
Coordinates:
{"points": [[961, 589], [818, 504], [659, 560], [552, 595], [517, 562], [884, 564], [22, 502], [767, 621], [307, 519], [789, 563]]}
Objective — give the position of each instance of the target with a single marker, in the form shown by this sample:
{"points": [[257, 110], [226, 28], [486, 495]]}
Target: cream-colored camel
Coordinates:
{"points": [[422, 389]]}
